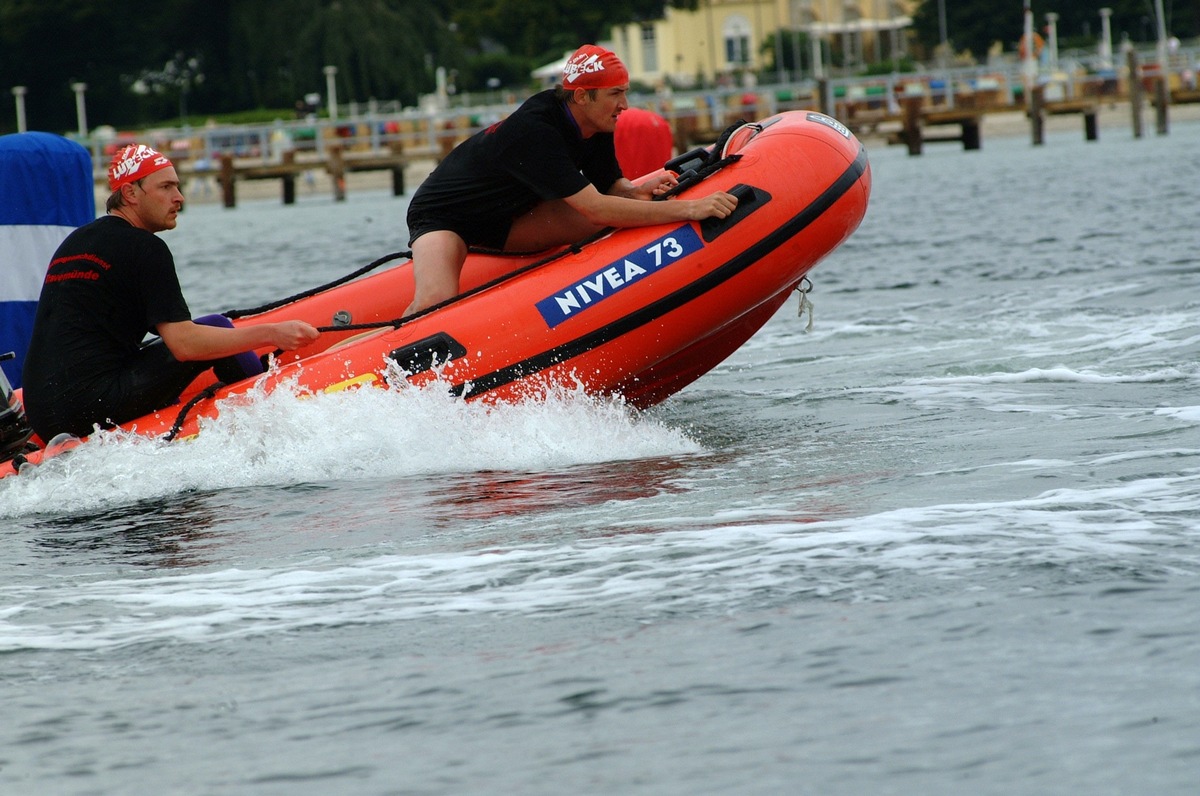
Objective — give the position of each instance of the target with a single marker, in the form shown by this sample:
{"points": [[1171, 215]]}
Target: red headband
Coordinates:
{"points": [[594, 67], [134, 162]]}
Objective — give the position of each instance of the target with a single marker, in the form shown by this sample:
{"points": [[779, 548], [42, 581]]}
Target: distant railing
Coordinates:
{"points": [[695, 115]]}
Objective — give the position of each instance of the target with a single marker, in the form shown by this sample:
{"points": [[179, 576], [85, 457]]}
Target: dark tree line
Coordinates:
{"points": [[974, 25], [154, 62], [149, 61]]}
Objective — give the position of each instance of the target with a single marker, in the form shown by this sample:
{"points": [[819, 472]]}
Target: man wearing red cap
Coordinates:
{"points": [[545, 176], [109, 284]]}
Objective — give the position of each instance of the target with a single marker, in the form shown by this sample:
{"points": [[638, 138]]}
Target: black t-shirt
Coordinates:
{"points": [[108, 285], [536, 154]]}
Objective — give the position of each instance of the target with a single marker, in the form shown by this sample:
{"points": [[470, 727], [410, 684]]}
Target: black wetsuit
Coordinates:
{"points": [[108, 285], [537, 154]]}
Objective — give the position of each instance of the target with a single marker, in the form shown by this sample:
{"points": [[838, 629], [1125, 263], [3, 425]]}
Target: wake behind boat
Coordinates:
{"points": [[638, 312]]}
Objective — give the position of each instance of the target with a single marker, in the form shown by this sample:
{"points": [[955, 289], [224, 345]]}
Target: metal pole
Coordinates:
{"points": [[1052, 40], [779, 72], [944, 45], [1163, 91], [797, 59], [1106, 50], [878, 34], [943, 58], [818, 64], [1030, 69], [897, 39], [80, 108], [19, 96], [1162, 38], [331, 91]]}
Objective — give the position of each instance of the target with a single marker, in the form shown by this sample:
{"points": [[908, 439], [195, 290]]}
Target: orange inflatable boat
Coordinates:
{"points": [[638, 312]]}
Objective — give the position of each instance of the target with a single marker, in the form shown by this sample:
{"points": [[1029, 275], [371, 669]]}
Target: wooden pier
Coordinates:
{"points": [[915, 118], [334, 162], [1039, 108]]}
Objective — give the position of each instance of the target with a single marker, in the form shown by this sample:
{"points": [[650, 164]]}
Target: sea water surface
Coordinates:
{"points": [[946, 542]]}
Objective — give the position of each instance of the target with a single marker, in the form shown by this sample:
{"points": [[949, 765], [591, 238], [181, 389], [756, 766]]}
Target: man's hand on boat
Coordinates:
{"points": [[655, 185], [192, 341], [290, 335], [718, 205], [715, 205]]}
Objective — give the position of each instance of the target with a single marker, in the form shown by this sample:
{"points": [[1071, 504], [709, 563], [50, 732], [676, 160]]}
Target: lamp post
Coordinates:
{"points": [[943, 45], [1030, 65], [1163, 89], [779, 71], [19, 96], [815, 47], [80, 108], [794, 23], [331, 91], [894, 10], [1106, 51], [1162, 38], [1052, 40], [943, 58], [849, 48]]}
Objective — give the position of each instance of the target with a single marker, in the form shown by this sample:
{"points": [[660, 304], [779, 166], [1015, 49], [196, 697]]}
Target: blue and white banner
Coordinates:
{"points": [[46, 190]]}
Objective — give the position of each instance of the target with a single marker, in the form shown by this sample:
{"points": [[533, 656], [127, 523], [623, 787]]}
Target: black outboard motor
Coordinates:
{"points": [[14, 428]]}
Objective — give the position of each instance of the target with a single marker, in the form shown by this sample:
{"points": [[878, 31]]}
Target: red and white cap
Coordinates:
{"points": [[594, 67], [134, 162]]}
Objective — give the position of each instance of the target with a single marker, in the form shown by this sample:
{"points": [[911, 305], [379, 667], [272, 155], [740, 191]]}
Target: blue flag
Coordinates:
{"points": [[46, 191]]}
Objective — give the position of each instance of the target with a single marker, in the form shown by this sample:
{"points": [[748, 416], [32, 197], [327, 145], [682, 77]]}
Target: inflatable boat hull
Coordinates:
{"points": [[639, 312]]}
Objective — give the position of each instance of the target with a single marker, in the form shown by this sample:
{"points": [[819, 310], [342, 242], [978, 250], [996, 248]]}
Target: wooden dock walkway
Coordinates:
{"points": [[914, 118], [228, 171], [334, 162]]}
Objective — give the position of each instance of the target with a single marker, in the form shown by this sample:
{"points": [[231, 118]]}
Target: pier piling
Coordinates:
{"points": [[914, 119]]}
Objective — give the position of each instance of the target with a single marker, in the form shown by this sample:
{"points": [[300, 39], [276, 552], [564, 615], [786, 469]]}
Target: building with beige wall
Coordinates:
{"points": [[722, 42]]}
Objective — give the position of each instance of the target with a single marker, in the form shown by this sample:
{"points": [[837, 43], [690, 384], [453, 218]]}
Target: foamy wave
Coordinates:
{"points": [[1187, 414], [282, 438]]}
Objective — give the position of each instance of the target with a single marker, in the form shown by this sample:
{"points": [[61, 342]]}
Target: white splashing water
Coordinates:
{"points": [[284, 438]]}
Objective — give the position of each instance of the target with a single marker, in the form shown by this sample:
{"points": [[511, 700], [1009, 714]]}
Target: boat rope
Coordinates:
{"points": [[387, 258], [207, 392], [573, 248], [805, 287], [718, 150]]}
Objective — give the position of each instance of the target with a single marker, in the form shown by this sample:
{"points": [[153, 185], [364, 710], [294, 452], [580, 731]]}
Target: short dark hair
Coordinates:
{"points": [[564, 94], [114, 201], [116, 198]]}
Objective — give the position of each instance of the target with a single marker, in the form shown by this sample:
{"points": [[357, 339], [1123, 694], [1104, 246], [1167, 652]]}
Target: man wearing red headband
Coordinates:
{"points": [[545, 176], [109, 284]]}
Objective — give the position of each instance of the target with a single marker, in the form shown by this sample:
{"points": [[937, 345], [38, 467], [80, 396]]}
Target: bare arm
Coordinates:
{"points": [[189, 342], [622, 210], [652, 186]]}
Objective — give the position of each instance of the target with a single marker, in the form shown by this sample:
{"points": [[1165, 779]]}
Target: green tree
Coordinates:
{"points": [[46, 45], [131, 56], [149, 62], [383, 49], [974, 25]]}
